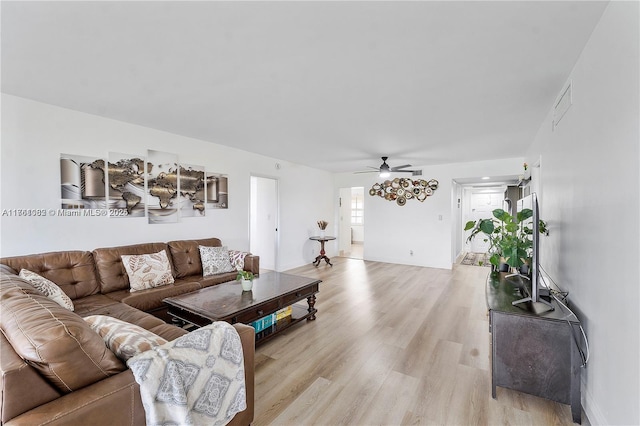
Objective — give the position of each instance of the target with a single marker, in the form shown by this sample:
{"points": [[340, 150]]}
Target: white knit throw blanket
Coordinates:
{"points": [[197, 379]]}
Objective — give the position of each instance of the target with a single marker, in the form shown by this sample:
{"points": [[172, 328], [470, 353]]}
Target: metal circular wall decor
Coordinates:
{"points": [[401, 190]]}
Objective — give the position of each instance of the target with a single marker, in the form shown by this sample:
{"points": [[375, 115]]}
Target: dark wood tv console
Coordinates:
{"points": [[533, 351]]}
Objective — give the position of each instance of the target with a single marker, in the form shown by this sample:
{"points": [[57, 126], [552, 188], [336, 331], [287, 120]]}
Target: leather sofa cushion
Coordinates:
{"points": [[218, 279], [73, 271], [88, 305], [168, 331], [152, 299], [186, 256], [17, 384], [56, 342], [112, 274], [129, 314], [113, 401]]}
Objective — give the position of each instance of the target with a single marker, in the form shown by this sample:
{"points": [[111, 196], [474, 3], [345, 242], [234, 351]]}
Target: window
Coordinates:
{"points": [[357, 210]]}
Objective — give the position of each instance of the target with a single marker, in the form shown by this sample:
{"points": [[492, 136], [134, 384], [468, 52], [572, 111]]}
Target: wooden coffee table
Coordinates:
{"points": [[227, 302]]}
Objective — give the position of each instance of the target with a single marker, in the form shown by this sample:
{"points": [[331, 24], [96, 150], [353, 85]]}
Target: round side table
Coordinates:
{"points": [[322, 254]]}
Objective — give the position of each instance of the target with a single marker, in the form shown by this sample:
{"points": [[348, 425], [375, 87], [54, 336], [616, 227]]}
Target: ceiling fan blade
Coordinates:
{"points": [[368, 171], [397, 168]]}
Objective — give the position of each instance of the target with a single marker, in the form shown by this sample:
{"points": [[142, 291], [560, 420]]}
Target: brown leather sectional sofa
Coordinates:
{"points": [[70, 377]]}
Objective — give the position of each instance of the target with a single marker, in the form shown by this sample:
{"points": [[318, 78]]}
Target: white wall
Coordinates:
{"points": [[35, 134], [393, 231], [589, 178]]}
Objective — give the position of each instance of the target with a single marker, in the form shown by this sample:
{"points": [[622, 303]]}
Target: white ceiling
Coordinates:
{"points": [[333, 85]]}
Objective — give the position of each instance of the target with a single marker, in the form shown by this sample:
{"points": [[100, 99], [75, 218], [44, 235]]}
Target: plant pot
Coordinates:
{"points": [[247, 285]]}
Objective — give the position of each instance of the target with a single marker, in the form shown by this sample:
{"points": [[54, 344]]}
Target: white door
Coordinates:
{"points": [[344, 236], [263, 227], [482, 205]]}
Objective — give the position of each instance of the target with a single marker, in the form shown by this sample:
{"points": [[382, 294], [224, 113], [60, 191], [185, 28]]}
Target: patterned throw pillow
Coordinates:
{"points": [[124, 339], [215, 260], [237, 259], [48, 288], [148, 270]]}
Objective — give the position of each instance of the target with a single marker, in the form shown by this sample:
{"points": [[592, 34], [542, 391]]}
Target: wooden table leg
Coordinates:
{"points": [[311, 300], [322, 255]]}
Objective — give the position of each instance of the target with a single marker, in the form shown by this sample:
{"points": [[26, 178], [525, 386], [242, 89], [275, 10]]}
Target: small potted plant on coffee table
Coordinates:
{"points": [[246, 278]]}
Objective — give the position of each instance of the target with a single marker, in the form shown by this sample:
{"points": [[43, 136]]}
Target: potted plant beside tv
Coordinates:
{"points": [[509, 239]]}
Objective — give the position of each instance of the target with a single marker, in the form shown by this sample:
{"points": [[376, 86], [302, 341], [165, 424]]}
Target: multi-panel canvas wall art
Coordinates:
{"points": [[162, 187], [125, 182], [82, 182], [192, 191], [156, 186], [217, 191]]}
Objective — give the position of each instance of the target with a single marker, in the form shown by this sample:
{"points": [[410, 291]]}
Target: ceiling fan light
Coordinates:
{"points": [[384, 173]]}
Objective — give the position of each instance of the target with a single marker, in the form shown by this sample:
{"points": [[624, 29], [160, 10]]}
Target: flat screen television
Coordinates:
{"points": [[531, 225]]}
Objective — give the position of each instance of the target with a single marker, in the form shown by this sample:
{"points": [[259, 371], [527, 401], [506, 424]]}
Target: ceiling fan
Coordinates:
{"points": [[385, 170]]}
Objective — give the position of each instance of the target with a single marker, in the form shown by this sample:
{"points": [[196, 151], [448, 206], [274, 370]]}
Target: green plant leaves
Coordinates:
{"points": [[487, 226], [524, 214], [508, 237], [501, 215]]}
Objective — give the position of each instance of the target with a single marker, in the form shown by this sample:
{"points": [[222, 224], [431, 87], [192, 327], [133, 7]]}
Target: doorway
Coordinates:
{"points": [[351, 233], [263, 221], [481, 205]]}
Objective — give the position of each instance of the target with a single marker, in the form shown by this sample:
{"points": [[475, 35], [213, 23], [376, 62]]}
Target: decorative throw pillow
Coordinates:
{"points": [[48, 288], [237, 259], [215, 260], [148, 270], [124, 339]]}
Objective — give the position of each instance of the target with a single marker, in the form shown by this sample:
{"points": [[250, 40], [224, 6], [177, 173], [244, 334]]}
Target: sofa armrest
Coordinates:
{"points": [[112, 401], [21, 387], [116, 399], [247, 338], [252, 264]]}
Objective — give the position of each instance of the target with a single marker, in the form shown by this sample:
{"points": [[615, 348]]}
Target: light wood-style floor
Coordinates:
{"points": [[392, 345]]}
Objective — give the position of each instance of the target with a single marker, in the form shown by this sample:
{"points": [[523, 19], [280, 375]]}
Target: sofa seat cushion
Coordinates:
{"points": [[186, 255], [168, 331], [89, 304], [151, 299], [217, 279], [55, 341], [124, 339], [129, 314]]}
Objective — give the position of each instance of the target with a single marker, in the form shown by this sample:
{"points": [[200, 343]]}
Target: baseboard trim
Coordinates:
{"points": [[591, 410]]}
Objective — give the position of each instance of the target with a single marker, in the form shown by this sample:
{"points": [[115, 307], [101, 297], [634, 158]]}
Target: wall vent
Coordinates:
{"points": [[562, 105]]}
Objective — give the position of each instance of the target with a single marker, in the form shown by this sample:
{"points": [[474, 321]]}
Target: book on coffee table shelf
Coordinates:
{"points": [[264, 322], [283, 313]]}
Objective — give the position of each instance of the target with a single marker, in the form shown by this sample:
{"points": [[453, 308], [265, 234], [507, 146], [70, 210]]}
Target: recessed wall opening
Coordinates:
{"points": [[352, 222]]}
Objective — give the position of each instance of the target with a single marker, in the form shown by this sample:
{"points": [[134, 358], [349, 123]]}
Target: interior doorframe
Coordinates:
{"points": [[276, 248]]}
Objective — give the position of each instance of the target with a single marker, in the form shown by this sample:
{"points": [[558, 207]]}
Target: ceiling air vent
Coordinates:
{"points": [[562, 105]]}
